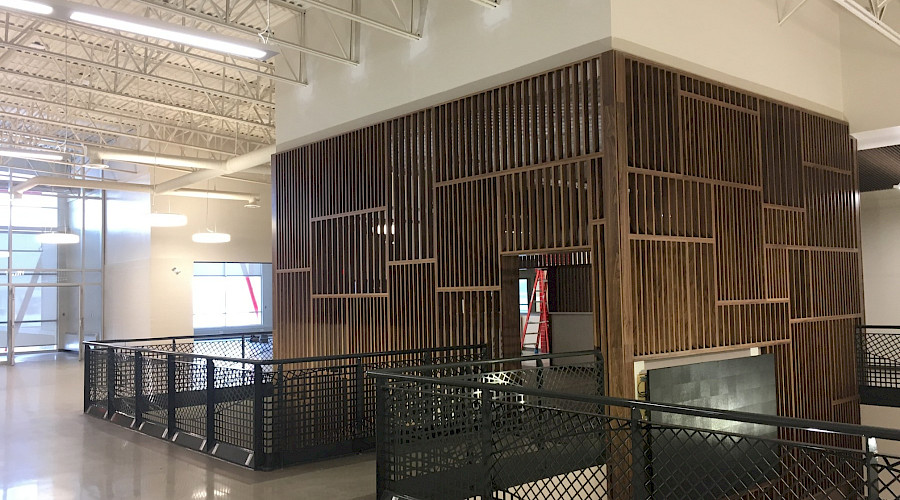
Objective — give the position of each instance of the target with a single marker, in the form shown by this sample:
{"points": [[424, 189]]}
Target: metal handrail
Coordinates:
{"points": [[309, 359], [402, 374]]}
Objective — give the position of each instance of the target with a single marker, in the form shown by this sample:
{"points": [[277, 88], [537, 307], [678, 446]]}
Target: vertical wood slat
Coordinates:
{"points": [[738, 207]]}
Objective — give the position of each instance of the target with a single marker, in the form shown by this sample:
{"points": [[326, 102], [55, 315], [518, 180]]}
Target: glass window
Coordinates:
{"points": [[523, 296], [230, 294]]}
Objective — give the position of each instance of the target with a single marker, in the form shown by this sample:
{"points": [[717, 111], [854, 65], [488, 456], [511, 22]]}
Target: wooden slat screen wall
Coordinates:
{"points": [[743, 231], [729, 220], [405, 223], [567, 289]]}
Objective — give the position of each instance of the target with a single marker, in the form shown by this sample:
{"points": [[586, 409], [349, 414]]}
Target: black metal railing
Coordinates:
{"points": [[225, 395], [492, 429], [878, 364]]}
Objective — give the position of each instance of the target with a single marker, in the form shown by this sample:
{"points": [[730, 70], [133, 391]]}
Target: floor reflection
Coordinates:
{"points": [[50, 449]]}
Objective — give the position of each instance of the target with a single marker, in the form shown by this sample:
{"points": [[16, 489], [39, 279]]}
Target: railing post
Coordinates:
{"points": [[872, 492], [381, 437], [210, 404], [138, 389], [486, 484], [258, 402], [88, 382], [170, 398], [360, 398], [638, 470], [110, 382]]}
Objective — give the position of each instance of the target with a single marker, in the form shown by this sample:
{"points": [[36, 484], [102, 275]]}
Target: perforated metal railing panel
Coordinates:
{"points": [[546, 433], [278, 412]]}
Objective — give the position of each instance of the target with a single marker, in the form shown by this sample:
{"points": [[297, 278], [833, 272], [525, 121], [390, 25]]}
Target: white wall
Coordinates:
{"points": [[871, 71], [880, 223], [740, 42], [144, 298], [251, 241], [127, 295], [465, 48]]}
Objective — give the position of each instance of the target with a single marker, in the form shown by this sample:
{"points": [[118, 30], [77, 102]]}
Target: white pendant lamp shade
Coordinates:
{"points": [[210, 237], [165, 219], [57, 238]]}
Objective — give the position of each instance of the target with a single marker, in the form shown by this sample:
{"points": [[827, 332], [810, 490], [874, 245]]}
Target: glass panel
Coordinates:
{"points": [[36, 316], [93, 312], [69, 311], [3, 340], [523, 296]]}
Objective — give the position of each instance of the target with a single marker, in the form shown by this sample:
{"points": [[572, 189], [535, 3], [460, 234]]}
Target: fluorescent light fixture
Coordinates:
{"points": [[165, 219], [210, 237], [4, 254], [172, 35], [57, 238], [30, 155], [27, 6]]}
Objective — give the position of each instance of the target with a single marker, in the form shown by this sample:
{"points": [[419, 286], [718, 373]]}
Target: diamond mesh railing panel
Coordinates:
{"points": [[521, 433], [878, 358]]}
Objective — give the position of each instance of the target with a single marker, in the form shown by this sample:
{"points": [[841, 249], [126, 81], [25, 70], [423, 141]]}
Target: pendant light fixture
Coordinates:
{"points": [[57, 238], [210, 235]]}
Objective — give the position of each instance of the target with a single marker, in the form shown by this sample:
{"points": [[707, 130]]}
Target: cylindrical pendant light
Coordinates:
{"points": [[57, 238], [210, 237]]}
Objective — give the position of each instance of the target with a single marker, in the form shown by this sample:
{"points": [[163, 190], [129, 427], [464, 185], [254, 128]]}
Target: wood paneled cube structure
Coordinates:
{"points": [[713, 219]]}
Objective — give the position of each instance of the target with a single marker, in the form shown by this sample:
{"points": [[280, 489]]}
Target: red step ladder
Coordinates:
{"points": [[536, 332]]}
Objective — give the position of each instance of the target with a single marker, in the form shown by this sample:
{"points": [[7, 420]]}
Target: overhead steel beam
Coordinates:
{"points": [[331, 9], [103, 112], [870, 18], [126, 97], [102, 132], [243, 29], [153, 78], [163, 48]]}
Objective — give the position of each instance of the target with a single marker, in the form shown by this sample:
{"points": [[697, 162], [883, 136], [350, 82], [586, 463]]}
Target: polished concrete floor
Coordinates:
{"points": [[50, 450]]}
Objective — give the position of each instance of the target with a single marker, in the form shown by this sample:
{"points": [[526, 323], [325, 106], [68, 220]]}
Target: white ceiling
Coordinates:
{"points": [[69, 86]]}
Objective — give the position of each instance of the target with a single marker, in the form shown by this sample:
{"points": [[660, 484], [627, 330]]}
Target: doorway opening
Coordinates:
{"points": [[555, 303]]}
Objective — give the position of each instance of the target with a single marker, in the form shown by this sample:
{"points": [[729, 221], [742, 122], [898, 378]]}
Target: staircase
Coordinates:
{"points": [[536, 332]]}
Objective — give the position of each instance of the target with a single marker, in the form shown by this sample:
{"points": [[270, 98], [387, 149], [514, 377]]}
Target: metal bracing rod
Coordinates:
{"points": [[163, 48], [126, 97], [134, 118], [488, 3], [106, 133], [125, 71], [319, 5], [782, 19], [864, 15], [243, 29]]}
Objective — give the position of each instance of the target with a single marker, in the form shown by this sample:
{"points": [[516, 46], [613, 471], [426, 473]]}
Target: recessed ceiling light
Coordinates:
{"points": [[27, 6], [156, 30], [30, 155]]}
